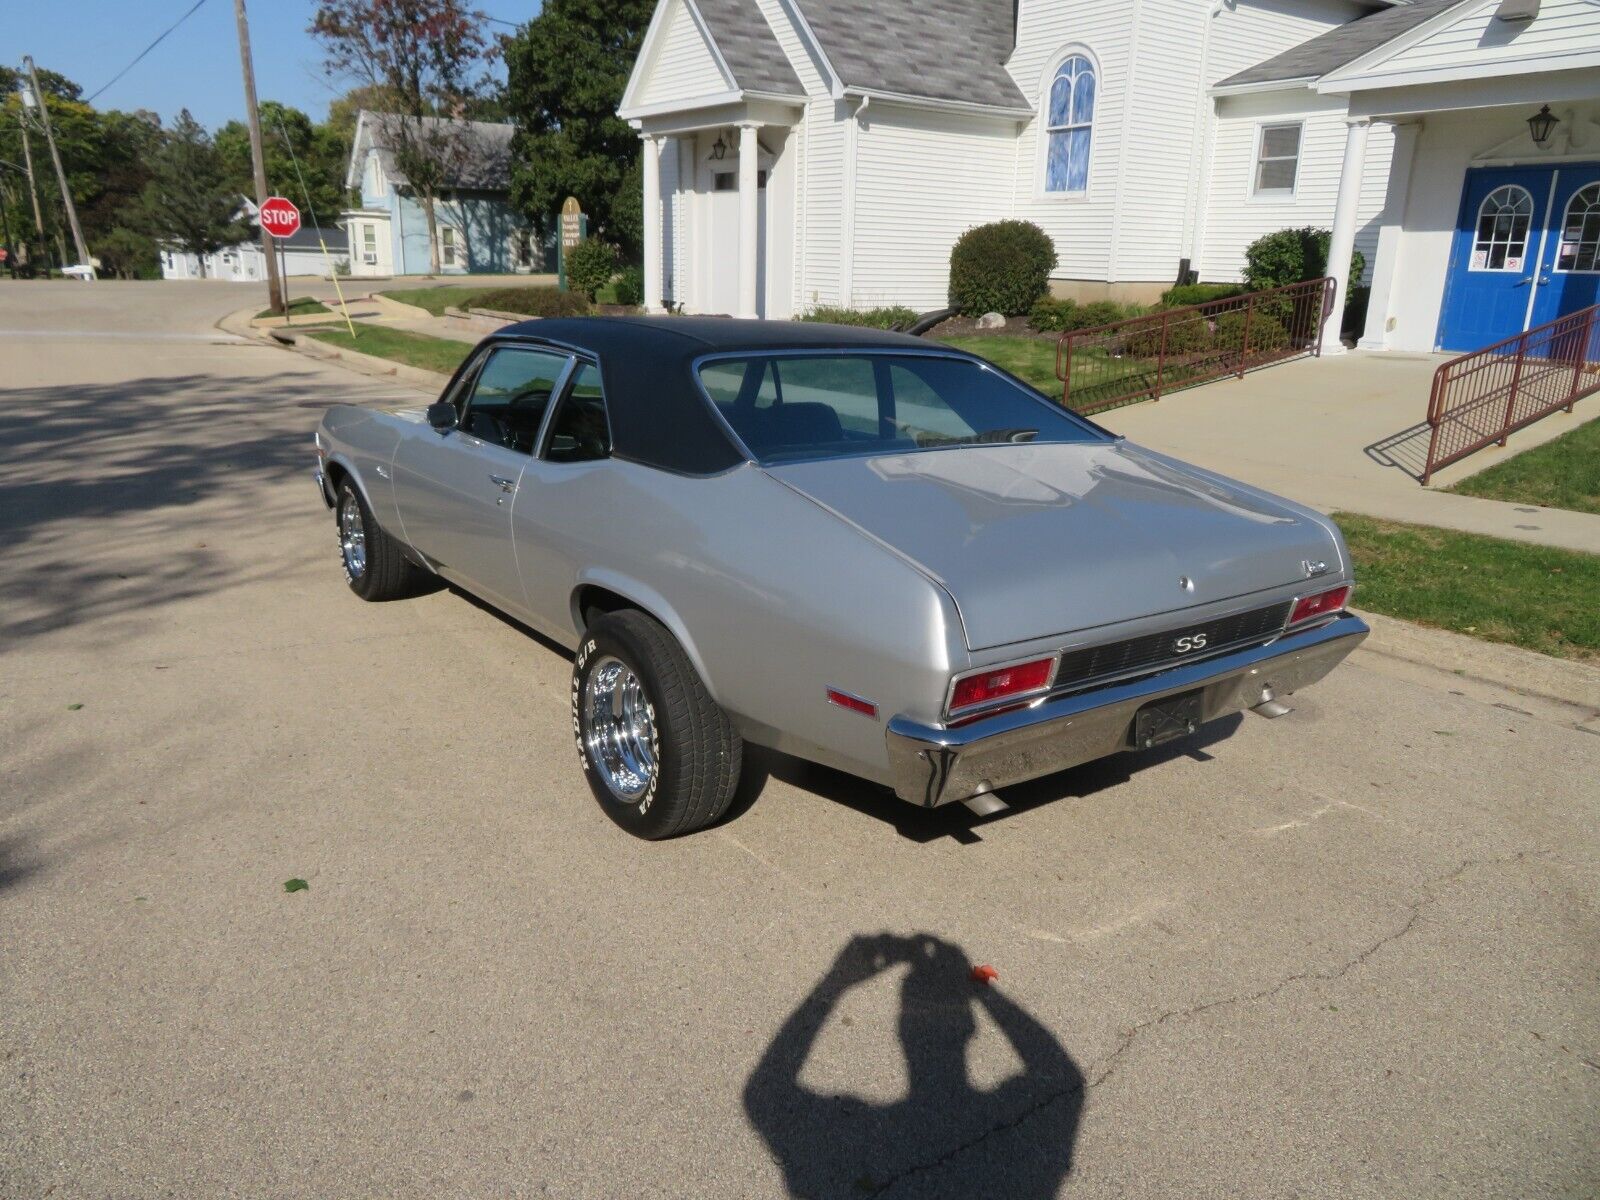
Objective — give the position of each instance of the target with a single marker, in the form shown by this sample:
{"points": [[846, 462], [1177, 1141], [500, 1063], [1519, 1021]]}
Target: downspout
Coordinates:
{"points": [[847, 251], [1205, 128]]}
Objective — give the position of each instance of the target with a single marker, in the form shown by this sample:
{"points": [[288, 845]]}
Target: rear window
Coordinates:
{"points": [[786, 408]]}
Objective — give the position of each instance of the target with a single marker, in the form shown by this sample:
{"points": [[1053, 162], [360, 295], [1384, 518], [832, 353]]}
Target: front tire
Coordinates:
{"points": [[374, 564], [659, 754]]}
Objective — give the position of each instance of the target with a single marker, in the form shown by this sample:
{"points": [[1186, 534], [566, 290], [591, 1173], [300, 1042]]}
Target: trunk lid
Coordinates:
{"points": [[1040, 539]]}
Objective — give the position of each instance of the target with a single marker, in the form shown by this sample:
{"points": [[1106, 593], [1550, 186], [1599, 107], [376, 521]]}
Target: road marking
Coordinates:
{"points": [[1269, 830]]}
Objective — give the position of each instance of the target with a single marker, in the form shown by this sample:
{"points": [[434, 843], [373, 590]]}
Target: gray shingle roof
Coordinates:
{"points": [[1332, 50], [749, 47], [938, 49], [486, 160]]}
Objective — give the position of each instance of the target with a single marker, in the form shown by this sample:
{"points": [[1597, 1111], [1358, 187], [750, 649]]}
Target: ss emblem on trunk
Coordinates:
{"points": [[1193, 641]]}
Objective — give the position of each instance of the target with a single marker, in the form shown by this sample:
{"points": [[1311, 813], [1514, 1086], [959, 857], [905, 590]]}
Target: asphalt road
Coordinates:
{"points": [[1353, 952]]}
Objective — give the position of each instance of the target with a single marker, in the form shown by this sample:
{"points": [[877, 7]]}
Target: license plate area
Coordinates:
{"points": [[1165, 719]]}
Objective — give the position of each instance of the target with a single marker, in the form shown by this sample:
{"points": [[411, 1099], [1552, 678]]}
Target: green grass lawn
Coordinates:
{"points": [[1028, 358], [437, 299], [1531, 596], [299, 306], [412, 349], [1564, 473]]}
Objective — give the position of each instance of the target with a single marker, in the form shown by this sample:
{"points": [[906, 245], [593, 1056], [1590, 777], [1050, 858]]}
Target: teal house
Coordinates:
{"points": [[477, 228]]}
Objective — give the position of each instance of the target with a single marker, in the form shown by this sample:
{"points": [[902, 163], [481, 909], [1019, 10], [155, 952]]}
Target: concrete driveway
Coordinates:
{"points": [[1353, 952]]}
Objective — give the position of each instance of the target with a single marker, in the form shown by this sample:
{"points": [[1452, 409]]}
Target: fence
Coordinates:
{"points": [[1140, 358], [1487, 395]]}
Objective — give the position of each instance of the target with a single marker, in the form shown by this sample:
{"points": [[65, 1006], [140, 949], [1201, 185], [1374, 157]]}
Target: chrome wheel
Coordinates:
{"points": [[352, 537], [619, 731]]}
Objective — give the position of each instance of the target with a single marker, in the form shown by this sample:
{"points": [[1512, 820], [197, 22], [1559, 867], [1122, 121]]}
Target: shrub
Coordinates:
{"points": [[1098, 312], [1266, 333], [1003, 267], [1188, 335], [534, 302], [1292, 255], [590, 266], [896, 316], [1049, 315], [1185, 294], [630, 287]]}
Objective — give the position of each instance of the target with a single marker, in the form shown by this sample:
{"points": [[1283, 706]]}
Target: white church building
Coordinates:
{"points": [[829, 152]]}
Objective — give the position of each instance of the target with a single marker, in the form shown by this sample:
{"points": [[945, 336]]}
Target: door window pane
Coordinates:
{"points": [[579, 431], [1580, 232], [1502, 236], [508, 401]]}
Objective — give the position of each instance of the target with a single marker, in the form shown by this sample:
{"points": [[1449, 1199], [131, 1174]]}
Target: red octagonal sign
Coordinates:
{"points": [[280, 217]]}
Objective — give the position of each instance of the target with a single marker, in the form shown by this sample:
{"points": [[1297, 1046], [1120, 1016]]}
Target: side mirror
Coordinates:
{"points": [[442, 415]]}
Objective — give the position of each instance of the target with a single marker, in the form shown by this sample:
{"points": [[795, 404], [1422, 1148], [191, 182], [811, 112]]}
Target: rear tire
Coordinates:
{"points": [[660, 756], [374, 563]]}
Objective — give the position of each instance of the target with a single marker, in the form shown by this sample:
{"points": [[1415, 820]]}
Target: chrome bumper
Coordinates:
{"points": [[933, 765], [322, 486]]}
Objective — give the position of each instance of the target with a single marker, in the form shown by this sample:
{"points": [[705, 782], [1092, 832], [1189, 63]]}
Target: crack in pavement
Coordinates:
{"points": [[1414, 913]]}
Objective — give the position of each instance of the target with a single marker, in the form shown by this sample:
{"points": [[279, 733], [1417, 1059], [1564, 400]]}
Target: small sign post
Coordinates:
{"points": [[574, 227], [281, 219]]}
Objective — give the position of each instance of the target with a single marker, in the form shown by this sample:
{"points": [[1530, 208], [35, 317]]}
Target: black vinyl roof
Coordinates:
{"points": [[658, 414]]}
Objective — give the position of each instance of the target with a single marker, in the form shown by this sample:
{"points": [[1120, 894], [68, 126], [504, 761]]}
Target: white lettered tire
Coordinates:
{"points": [[659, 754]]}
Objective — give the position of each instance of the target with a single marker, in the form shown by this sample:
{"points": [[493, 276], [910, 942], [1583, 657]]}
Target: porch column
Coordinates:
{"points": [[749, 223], [1376, 335], [652, 223], [1343, 242]]}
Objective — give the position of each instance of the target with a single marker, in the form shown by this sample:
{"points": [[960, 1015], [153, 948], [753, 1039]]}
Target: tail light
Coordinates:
{"points": [[1001, 683], [1320, 605]]}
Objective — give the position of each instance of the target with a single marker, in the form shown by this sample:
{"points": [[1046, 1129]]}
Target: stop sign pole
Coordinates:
{"points": [[280, 219]]}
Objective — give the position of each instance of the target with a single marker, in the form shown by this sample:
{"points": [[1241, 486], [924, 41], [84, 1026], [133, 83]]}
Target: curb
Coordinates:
{"points": [[365, 364], [1523, 671], [398, 308]]}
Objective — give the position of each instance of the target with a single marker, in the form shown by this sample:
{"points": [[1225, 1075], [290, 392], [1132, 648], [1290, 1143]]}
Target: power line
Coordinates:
{"points": [[147, 49]]}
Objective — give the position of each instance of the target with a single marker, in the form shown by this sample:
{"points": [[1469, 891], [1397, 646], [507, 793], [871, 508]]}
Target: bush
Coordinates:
{"points": [[1049, 315], [590, 266], [1291, 256], [1266, 333], [534, 302], [1004, 267], [1185, 294], [630, 287], [1099, 312], [1189, 335], [896, 316]]}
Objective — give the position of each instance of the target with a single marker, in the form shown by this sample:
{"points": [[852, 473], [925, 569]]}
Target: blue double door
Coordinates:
{"points": [[1526, 251]]}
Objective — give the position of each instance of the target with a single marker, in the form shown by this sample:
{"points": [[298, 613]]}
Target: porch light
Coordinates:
{"points": [[719, 148], [1541, 124]]}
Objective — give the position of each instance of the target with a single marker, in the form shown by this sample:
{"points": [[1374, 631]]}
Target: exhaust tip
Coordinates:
{"points": [[1271, 709], [985, 804]]}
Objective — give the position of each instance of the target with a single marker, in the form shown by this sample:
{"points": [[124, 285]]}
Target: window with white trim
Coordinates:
{"points": [[369, 244], [1069, 125], [1500, 242], [447, 246], [1277, 159], [1580, 232]]}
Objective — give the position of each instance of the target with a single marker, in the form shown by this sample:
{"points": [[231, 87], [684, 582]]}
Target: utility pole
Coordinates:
{"points": [[55, 157], [257, 160], [33, 191]]}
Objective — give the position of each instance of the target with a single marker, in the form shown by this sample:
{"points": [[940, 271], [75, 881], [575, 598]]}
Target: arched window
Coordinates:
{"points": [[1502, 237], [1069, 123], [1580, 232]]}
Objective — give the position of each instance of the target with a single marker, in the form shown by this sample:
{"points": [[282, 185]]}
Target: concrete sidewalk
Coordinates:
{"points": [[1349, 432]]}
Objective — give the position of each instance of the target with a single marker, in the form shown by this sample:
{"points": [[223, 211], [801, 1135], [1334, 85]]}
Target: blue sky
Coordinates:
{"points": [[197, 67]]}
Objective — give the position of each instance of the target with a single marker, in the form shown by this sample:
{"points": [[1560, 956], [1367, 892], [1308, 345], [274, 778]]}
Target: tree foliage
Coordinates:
{"points": [[288, 138], [188, 202], [566, 70], [427, 58]]}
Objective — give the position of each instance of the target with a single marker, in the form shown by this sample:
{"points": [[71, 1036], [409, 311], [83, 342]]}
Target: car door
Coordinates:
{"points": [[457, 488], [566, 503]]}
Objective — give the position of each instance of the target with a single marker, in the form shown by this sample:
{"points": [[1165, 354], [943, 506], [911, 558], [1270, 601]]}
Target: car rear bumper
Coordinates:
{"points": [[933, 765]]}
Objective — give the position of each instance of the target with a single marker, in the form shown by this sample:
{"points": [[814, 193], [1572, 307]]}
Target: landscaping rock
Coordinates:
{"points": [[991, 320]]}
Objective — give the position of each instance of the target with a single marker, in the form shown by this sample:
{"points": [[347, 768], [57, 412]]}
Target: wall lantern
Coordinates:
{"points": [[719, 148], [1541, 124]]}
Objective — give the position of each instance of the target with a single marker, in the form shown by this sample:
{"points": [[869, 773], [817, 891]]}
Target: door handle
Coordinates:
{"points": [[504, 484], [1543, 279]]}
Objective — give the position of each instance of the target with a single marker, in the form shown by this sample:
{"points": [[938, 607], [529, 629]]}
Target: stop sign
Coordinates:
{"points": [[280, 217]]}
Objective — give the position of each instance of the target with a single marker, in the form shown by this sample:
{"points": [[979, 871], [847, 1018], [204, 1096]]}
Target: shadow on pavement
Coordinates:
{"points": [[945, 1137], [1406, 451]]}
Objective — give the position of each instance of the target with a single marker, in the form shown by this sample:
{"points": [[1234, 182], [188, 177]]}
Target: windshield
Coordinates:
{"points": [[786, 408]]}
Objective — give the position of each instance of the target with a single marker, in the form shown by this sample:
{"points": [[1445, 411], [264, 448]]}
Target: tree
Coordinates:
{"points": [[189, 203], [566, 72], [289, 138], [423, 54]]}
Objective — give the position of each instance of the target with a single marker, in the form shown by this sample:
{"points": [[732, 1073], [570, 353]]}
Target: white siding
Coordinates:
{"points": [[922, 179], [822, 202], [1235, 218], [684, 65], [1476, 39], [1261, 29]]}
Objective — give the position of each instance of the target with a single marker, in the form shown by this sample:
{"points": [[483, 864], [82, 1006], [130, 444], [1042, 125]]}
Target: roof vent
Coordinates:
{"points": [[1517, 11]]}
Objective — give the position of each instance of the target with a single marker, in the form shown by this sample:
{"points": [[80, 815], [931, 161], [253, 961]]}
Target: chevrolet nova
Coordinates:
{"points": [[860, 548]]}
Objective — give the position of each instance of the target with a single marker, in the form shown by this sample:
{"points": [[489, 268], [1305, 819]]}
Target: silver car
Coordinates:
{"points": [[860, 548]]}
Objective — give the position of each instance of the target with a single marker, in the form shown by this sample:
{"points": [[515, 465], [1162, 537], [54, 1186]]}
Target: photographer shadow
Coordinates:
{"points": [[945, 1137]]}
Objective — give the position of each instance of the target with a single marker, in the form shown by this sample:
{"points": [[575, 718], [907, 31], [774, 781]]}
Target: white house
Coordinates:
{"points": [[302, 255], [820, 152]]}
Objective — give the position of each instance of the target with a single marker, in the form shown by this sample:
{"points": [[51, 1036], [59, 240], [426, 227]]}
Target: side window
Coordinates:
{"points": [[1277, 160], [579, 431], [509, 397]]}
